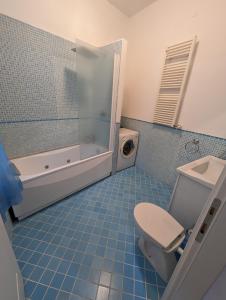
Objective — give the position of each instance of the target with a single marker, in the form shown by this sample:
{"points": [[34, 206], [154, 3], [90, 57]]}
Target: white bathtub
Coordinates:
{"points": [[51, 176]]}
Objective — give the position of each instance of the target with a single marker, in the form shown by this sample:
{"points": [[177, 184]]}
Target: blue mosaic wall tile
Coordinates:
{"points": [[116, 145], [21, 139], [162, 149], [37, 83]]}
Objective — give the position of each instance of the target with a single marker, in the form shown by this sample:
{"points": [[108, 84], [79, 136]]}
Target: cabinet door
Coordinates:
{"points": [[11, 283]]}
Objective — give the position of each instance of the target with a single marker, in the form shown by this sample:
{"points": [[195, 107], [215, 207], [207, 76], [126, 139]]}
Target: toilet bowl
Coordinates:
{"points": [[161, 236]]}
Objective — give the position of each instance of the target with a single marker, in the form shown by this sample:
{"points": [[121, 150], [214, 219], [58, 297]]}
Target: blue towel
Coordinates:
{"points": [[10, 184]]}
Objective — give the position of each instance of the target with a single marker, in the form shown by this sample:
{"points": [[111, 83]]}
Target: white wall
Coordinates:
{"points": [[166, 22], [94, 21]]}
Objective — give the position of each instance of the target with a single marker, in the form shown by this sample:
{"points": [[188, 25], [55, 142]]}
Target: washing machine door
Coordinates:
{"points": [[128, 147]]}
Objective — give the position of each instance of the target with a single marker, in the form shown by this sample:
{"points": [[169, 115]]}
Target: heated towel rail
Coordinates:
{"points": [[176, 69]]}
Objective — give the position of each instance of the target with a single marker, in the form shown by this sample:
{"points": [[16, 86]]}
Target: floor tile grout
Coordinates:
{"points": [[92, 231]]}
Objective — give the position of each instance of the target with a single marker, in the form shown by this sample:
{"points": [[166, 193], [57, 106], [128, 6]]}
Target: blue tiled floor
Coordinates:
{"points": [[85, 247]]}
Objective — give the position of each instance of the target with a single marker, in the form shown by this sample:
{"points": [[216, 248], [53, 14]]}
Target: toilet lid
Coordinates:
{"points": [[157, 223]]}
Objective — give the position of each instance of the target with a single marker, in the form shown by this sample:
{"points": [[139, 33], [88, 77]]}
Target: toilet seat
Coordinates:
{"points": [[159, 226]]}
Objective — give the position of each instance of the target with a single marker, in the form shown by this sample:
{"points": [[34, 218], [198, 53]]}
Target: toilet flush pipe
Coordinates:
{"points": [[180, 250]]}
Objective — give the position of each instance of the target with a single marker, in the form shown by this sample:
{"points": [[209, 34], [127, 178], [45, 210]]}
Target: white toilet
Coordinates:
{"points": [[161, 236]]}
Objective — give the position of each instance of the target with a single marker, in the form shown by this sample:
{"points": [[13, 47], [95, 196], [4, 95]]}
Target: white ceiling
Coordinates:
{"points": [[130, 7]]}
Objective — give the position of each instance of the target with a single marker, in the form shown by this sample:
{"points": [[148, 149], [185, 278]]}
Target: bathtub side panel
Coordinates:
{"points": [[44, 191]]}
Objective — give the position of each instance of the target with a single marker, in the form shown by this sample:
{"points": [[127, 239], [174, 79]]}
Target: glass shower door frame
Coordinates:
{"points": [[116, 76]]}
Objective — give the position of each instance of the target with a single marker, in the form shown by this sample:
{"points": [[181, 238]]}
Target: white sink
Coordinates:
{"points": [[194, 184], [206, 170]]}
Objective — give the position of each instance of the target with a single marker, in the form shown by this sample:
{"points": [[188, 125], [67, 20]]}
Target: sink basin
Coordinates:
{"points": [[206, 170], [194, 184]]}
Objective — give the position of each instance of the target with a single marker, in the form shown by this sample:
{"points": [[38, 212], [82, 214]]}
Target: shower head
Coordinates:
{"points": [[74, 49]]}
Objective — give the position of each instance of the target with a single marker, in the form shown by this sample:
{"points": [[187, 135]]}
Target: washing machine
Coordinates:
{"points": [[127, 151]]}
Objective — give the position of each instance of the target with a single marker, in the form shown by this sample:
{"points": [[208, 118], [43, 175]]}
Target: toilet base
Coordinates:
{"points": [[164, 263]]}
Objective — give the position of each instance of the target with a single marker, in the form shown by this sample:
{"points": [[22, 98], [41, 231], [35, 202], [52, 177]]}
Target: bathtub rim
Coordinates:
{"points": [[28, 178]]}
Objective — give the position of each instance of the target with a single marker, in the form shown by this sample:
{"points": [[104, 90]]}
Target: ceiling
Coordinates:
{"points": [[130, 7]]}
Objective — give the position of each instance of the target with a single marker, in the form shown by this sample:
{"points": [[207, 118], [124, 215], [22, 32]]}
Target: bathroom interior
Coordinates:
{"points": [[112, 150]]}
